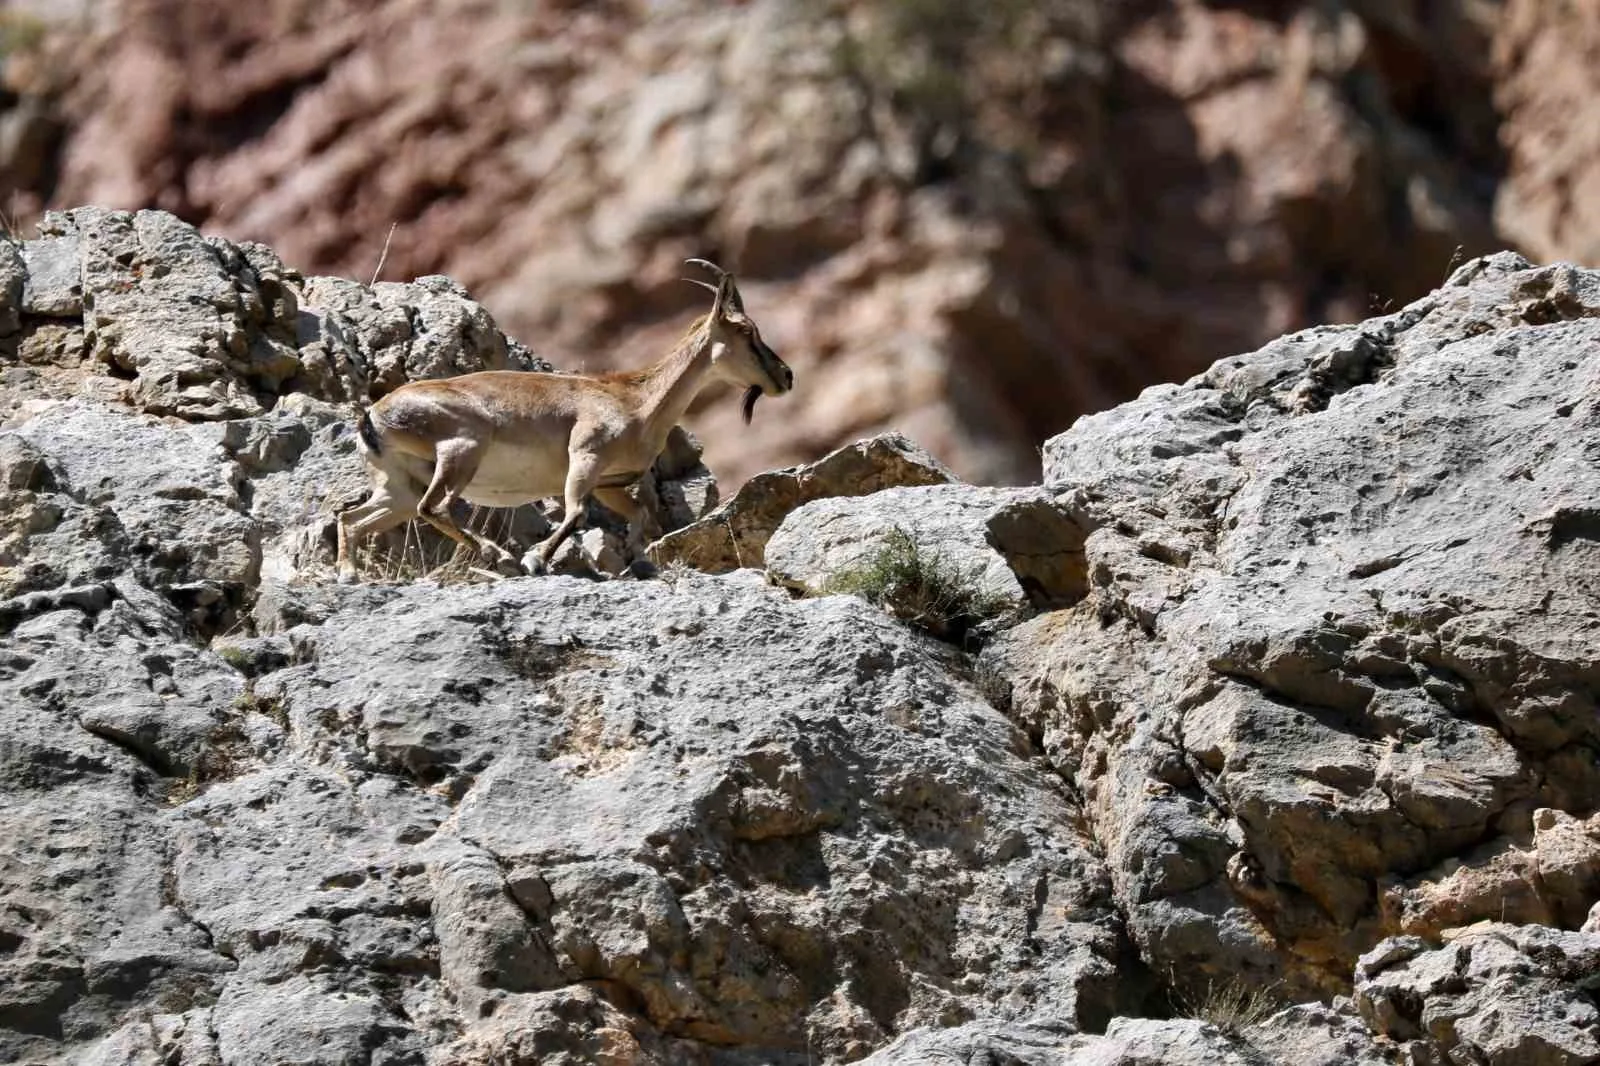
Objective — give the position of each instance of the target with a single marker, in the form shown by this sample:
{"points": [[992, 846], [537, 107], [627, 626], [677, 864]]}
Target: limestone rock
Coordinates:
{"points": [[735, 535], [442, 824], [1306, 691], [831, 538], [119, 493], [369, 341], [1042, 542], [1298, 1037], [1337, 587], [1496, 994], [207, 330], [173, 312]]}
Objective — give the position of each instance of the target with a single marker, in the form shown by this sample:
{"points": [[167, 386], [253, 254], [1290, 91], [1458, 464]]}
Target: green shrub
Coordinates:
{"points": [[922, 588], [21, 32]]}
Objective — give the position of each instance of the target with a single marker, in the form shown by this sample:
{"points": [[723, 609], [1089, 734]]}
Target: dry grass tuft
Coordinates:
{"points": [[922, 588]]}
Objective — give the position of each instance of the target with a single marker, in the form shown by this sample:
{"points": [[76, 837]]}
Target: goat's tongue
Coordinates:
{"points": [[751, 395]]}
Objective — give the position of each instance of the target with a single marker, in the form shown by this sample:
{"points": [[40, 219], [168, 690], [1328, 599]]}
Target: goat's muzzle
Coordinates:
{"points": [[778, 373]]}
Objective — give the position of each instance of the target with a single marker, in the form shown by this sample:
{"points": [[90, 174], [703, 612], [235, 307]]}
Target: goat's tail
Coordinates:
{"points": [[369, 433]]}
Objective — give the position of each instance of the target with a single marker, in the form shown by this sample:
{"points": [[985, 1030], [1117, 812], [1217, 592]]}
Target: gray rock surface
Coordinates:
{"points": [[1308, 691], [1310, 1036], [1340, 627], [826, 539], [110, 310], [529, 787], [1496, 994]]}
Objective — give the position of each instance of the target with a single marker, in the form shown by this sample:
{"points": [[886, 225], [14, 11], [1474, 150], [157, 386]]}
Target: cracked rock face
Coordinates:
{"points": [[1340, 631], [1495, 994], [527, 792], [735, 535], [124, 319], [1284, 754]]}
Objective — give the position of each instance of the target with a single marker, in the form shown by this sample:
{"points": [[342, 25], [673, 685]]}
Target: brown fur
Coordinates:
{"points": [[506, 437]]}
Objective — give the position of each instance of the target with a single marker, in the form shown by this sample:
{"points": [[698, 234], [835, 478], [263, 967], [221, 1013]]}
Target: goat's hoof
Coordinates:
{"points": [[642, 569], [346, 577], [534, 566]]}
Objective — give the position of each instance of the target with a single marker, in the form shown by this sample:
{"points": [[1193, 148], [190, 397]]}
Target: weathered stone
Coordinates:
{"points": [[735, 535], [1269, 716], [13, 283], [1042, 543], [1497, 994], [1336, 587], [106, 704], [396, 333], [54, 273], [1302, 1037], [833, 538], [133, 494], [781, 808], [160, 306]]}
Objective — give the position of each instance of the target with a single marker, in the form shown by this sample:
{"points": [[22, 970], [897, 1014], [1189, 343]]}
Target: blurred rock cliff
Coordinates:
{"points": [[969, 222]]}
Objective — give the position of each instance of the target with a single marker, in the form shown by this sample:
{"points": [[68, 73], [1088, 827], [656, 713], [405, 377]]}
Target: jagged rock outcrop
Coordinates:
{"points": [[833, 537], [967, 222], [1283, 753], [1338, 630], [1494, 993], [735, 535], [431, 809], [122, 318]]}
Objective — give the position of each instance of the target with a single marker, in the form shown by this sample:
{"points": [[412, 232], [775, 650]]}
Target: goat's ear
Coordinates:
{"points": [[727, 297], [735, 301]]}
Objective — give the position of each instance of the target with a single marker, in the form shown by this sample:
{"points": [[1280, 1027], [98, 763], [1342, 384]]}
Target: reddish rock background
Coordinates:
{"points": [[969, 222]]}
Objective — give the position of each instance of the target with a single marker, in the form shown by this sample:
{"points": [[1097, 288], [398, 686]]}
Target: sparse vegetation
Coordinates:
{"points": [[21, 32], [435, 558], [922, 588], [220, 759], [249, 701], [234, 656], [955, 71], [1231, 1005]]}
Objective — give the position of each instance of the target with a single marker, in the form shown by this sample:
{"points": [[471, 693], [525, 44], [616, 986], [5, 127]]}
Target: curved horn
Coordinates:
{"points": [[702, 284], [727, 290]]}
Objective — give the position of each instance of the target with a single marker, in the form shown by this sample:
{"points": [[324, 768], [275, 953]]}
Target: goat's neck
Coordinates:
{"points": [[673, 383]]}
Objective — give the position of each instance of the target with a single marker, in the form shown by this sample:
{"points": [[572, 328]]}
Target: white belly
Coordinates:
{"points": [[514, 474]]}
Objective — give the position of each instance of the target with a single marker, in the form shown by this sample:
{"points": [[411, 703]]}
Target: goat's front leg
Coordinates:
{"points": [[628, 507], [583, 473]]}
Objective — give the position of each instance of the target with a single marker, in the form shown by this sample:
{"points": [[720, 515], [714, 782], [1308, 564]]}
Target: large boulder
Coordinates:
{"points": [[1501, 995], [757, 821], [1339, 626]]}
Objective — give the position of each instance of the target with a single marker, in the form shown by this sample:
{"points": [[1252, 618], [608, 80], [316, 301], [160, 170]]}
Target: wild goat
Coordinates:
{"points": [[504, 437]]}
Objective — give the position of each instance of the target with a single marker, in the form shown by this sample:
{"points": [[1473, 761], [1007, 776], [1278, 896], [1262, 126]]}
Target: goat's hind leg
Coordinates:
{"points": [[455, 462], [381, 511]]}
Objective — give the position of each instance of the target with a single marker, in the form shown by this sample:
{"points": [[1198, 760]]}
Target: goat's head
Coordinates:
{"points": [[738, 354]]}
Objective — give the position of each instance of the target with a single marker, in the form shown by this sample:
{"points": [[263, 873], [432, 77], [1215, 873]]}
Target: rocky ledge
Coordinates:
{"points": [[1271, 738]]}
